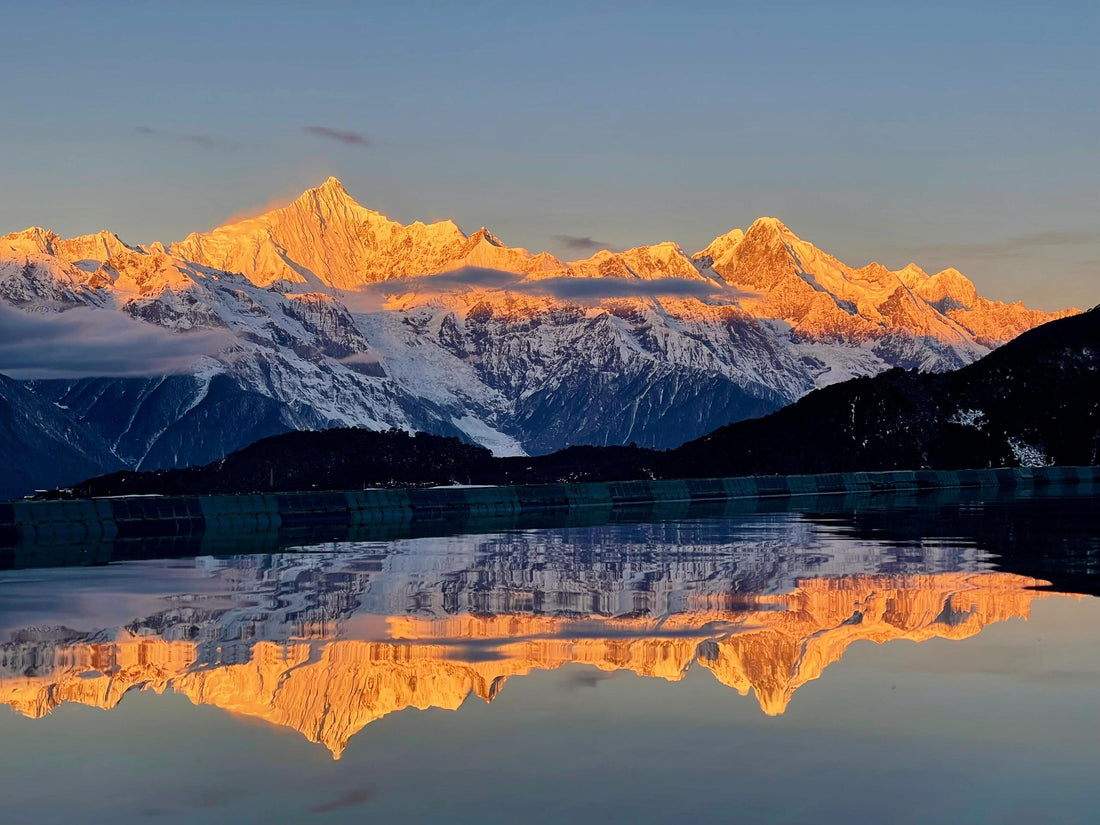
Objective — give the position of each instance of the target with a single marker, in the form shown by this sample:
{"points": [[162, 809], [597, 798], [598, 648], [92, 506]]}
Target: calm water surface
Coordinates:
{"points": [[888, 661]]}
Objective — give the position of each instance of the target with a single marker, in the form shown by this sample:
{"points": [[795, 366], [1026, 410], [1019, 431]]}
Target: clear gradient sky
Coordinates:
{"points": [[961, 133]]}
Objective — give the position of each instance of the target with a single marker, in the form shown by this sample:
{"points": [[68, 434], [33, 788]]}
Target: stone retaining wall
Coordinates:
{"points": [[88, 521]]}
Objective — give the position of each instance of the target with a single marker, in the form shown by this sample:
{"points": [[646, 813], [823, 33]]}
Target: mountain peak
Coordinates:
{"points": [[951, 274], [31, 239], [333, 185], [720, 248], [953, 280], [769, 225], [484, 234], [32, 231], [327, 239], [330, 192], [723, 249], [912, 275], [949, 289], [96, 246]]}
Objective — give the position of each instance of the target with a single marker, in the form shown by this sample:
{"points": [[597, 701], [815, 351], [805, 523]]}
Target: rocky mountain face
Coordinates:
{"points": [[334, 315], [31, 428]]}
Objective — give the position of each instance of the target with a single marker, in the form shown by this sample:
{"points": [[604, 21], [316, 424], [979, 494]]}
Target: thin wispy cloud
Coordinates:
{"points": [[344, 136], [208, 143], [580, 243], [86, 342], [352, 799], [1019, 245]]}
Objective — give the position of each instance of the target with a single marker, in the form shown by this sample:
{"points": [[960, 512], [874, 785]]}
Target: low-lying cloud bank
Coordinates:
{"points": [[563, 288], [594, 289], [86, 342]]}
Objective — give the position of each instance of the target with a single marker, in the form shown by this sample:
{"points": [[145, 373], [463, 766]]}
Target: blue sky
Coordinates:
{"points": [[950, 134]]}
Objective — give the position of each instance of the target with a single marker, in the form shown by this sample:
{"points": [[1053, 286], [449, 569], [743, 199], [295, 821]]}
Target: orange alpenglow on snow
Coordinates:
{"points": [[325, 241], [329, 690]]}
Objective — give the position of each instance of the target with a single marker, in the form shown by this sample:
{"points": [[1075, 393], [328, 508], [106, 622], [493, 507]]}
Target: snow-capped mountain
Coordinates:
{"points": [[333, 315]]}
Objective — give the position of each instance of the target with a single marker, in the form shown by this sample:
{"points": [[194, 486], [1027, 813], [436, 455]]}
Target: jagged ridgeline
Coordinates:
{"points": [[325, 314]]}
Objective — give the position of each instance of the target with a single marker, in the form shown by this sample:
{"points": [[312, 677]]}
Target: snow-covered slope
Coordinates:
{"points": [[329, 319], [294, 360]]}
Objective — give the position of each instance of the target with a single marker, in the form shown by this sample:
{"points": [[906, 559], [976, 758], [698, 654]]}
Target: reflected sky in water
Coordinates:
{"points": [[793, 667]]}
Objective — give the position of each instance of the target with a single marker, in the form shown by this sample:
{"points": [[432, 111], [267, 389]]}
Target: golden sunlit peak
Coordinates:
{"points": [[484, 234], [735, 235], [951, 274], [332, 182], [766, 223], [331, 188], [912, 275], [331, 192], [325, 240], [31, 232]]}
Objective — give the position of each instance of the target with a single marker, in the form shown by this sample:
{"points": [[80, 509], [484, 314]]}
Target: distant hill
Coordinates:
{"points": [[1035, 401], [348, 459]]}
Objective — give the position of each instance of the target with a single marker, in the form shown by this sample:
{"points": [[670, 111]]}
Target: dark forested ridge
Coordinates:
{"points": [[343, 459], [1034, 401]]}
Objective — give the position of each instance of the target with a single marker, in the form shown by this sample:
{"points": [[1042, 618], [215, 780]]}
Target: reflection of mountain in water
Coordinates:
{"points": [[326, 644]]}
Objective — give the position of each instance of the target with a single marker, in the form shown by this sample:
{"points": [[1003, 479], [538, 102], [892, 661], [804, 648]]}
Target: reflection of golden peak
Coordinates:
{"points": [[328, 691], [469, 626], [96, 674], [822, 617]]}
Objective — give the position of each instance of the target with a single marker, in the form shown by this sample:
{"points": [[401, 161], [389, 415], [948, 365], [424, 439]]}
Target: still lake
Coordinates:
{"points": [[920, 659]]}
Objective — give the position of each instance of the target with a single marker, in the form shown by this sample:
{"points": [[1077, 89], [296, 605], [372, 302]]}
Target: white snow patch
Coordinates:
{"points": [[496, 441], [1028, 454], [969, 418], [837, 363]]}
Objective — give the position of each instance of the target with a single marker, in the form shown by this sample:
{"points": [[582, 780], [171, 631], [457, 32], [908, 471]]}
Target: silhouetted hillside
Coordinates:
{"points": [[1036, 400]]}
